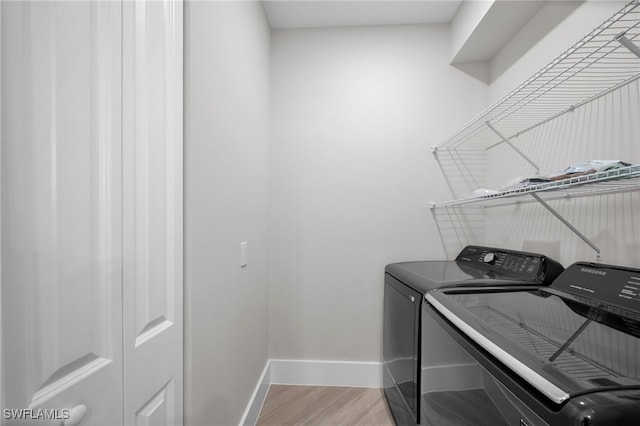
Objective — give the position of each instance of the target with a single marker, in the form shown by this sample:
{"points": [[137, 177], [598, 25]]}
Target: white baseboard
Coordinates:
{"points": [[310, 373], [251, 413], [326, 373]]}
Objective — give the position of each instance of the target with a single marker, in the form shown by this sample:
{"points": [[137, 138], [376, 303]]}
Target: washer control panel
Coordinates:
{"points": [[529, 266], [615, 289]]}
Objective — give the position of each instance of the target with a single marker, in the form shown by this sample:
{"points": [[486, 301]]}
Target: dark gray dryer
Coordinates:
{"points": [[405, 285]]}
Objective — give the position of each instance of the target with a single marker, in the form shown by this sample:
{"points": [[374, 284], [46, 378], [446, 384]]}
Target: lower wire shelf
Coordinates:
{"points": [[622, 179]]}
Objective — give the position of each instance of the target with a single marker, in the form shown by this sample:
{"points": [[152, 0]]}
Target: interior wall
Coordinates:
{"points": [[226, 194], [465, 21], [606, 129], [549, 16], [354, 111]]}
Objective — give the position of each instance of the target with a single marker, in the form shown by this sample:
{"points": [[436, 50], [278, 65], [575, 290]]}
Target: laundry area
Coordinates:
{"points": [[500, 336], [320, 212]]}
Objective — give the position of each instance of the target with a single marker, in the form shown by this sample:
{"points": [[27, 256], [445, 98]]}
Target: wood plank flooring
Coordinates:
{"points": [[324, 406]]}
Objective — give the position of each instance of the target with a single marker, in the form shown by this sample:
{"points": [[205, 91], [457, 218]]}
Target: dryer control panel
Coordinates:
{"points": [[532, 267]]}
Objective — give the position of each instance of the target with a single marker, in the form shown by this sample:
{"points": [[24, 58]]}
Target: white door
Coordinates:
{"points": [[61, 210], [92, 210], [152, 142]]}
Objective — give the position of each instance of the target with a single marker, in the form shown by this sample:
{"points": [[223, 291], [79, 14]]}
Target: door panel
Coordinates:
{"points": [[153, 212], [62, 207], [160, 409]]}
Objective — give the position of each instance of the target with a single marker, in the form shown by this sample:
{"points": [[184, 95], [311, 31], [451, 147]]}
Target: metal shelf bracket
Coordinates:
{"points": [[569, 225], [505, 140], [623, 40]]}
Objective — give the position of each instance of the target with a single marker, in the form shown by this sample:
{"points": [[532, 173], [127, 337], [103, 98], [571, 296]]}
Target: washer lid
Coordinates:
{"points": [[561, 347]]}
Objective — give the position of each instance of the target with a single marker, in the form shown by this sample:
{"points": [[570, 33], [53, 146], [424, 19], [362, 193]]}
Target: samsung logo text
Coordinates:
{"points": [[593, 271]]}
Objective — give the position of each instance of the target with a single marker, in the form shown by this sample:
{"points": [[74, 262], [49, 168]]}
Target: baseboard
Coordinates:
{"points": [[326, 373], [310, 373], [251, 413]]}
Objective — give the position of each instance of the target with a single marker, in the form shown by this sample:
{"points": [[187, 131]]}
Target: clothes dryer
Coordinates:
{"points": [[405, 285]]}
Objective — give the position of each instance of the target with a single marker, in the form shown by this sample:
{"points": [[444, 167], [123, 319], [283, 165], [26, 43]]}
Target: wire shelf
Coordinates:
{"points": [[595, 66], [622, 179]]}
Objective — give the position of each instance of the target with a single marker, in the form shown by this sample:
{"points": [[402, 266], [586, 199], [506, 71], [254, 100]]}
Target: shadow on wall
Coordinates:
{"points": [[463, 171], [607, 220], [458, 227]]}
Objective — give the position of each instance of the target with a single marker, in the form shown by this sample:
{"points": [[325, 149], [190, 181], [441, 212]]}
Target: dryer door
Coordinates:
{"points": [[401, 348]]}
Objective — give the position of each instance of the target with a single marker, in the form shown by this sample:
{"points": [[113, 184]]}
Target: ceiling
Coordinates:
{"points": [[289, 14], [480, 28]]}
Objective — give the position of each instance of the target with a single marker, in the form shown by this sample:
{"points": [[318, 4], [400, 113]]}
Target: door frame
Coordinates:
{"points": [[1, 379]]}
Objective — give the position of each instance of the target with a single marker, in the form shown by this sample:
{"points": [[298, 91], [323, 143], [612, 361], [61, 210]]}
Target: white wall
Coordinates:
{"points": [[226, 171], [605, 129], [465, 21], [548, 18], [354, 111]]}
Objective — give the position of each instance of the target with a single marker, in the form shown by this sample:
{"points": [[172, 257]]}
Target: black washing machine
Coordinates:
{"points": [[567, 354], [405, 286]]}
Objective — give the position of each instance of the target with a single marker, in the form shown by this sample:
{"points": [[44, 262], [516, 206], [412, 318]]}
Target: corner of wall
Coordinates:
{"points": [[227, 61]]}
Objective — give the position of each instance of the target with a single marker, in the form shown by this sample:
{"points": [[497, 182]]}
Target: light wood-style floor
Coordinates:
{"points": [[324, 405]]}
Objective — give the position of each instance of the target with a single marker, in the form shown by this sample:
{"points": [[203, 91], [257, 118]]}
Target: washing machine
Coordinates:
{"points": [[405, 285], [567, 354]]}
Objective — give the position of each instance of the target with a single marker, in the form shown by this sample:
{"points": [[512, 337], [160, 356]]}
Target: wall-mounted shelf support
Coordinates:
{"points": [[623, 40], [569, 225], [505, 140]]}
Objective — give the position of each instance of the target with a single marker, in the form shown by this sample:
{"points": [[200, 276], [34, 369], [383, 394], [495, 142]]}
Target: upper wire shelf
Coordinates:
{"points": [[603, 61], [609, 181]]}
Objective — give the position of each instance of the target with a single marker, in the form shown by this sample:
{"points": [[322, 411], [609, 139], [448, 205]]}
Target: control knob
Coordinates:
{"points": [[490, 258]]}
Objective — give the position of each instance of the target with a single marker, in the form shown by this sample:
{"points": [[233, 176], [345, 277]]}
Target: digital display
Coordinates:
{"points": [[520, 264]]}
